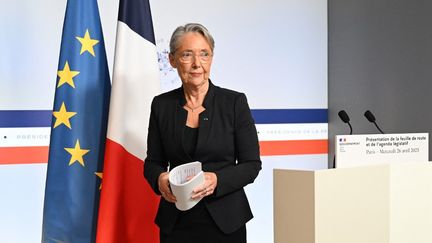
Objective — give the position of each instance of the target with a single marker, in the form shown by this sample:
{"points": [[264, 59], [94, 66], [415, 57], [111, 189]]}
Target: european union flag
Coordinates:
{"points": [[78, 132]]}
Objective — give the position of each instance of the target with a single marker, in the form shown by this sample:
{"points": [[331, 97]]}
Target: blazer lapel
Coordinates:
{"points": [[205, 119], [180, 123]]}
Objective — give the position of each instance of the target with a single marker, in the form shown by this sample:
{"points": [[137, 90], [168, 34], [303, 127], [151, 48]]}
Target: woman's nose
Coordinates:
{"points": [[196, 62]]}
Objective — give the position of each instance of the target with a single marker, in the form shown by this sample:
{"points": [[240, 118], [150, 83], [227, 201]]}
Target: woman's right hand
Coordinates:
{"points": [[164, 187]]}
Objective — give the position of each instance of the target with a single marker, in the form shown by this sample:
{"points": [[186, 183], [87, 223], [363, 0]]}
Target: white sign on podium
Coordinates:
{"points": [[366, 149]]}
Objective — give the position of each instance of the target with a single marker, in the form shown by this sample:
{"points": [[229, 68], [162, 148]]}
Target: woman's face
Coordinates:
{"points": [[193, 59]]}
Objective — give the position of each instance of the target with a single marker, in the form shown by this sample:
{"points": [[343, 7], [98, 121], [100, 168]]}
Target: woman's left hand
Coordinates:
{"points": [[207, 188]]}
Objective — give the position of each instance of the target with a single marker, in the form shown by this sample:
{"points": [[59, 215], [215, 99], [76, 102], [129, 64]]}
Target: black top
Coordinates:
{"points": [[227, 144], [190, 136]]}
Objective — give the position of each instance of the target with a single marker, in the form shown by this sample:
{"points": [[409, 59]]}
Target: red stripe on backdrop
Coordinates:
{"points": [[39, 154], [292, 147], [23, 155], [129, 205]]}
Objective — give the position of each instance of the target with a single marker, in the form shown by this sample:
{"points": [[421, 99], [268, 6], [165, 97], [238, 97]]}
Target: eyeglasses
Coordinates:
{"points": [[188, 56]]}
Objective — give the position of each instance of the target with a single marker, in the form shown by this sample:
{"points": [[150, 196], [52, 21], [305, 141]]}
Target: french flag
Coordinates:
{"points": [[128, 205]]}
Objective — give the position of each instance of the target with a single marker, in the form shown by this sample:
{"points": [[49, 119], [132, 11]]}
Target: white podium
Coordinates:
{"points": [[370, 204]]}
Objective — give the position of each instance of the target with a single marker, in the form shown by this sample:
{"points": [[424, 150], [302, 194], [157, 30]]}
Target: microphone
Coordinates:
{"points": [[371, 118], [345, 118]]}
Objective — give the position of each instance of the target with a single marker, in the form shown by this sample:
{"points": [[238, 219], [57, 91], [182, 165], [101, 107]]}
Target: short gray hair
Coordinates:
{"points": [[191, 27]]}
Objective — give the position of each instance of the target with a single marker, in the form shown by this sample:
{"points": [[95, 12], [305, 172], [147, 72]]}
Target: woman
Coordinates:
{"points": [[202, 122]]}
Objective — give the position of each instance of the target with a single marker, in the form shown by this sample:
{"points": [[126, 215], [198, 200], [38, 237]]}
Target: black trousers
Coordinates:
{"points": [[197, 226]]}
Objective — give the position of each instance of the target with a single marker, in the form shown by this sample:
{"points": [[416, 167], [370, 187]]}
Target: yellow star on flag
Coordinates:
{"points": [[87, 43], [77, 154], [66, 76], [100, 175], [62, 116]]}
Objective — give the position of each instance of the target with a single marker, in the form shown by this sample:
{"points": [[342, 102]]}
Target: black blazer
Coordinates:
{"points": [[227, 145]]}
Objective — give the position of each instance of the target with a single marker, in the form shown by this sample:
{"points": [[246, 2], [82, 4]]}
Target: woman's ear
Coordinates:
{"points": [[172, 60]]}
